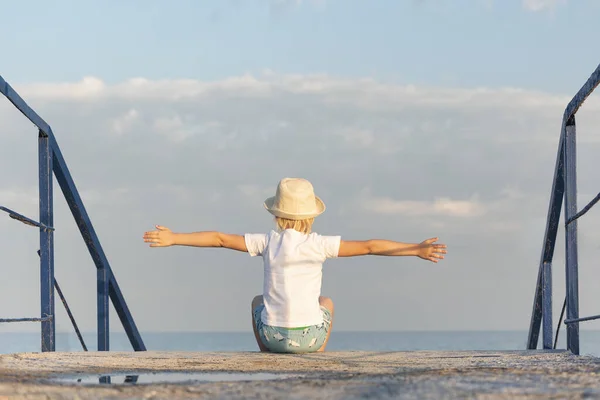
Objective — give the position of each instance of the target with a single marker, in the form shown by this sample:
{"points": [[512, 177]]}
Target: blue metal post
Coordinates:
{"points": [[104, 379], [571, 236], [103, 280], [547, 305], [552, 220], [46, 243]]}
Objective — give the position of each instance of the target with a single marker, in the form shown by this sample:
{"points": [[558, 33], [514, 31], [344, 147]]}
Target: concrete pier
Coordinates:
{"points": [[330, 375]]}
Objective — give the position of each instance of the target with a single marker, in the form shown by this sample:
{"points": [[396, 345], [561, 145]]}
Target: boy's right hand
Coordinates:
{"points": [[161, 237]]}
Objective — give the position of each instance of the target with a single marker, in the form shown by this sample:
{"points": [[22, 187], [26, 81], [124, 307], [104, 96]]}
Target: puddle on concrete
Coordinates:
{"points": [[168, 377]]}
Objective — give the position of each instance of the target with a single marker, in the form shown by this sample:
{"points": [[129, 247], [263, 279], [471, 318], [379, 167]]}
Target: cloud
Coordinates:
{"points": [[88, 87], [125, 122], [365, 93], [470, 165], [542, 5], [497, 211], [439, 207]]}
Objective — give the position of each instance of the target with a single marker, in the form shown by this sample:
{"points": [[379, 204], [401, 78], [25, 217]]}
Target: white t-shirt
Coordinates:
{"points": [[293, 263]]}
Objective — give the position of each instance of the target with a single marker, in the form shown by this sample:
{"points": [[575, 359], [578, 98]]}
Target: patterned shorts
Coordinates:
{"points": [[292, 340]]}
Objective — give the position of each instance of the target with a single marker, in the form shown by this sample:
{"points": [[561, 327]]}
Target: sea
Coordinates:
{"points": [[14, 342]]}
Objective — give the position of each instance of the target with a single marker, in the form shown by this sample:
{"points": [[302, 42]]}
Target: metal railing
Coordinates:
{"points": [[52, 163], [564, 186]]}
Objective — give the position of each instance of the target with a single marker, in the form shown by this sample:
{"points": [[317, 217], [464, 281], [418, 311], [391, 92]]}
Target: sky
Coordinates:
{"points": [[412, 119]]}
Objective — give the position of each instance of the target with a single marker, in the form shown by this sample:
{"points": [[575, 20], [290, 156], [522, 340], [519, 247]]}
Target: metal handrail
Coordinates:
{"points": [[52, 162], [564, 185]]}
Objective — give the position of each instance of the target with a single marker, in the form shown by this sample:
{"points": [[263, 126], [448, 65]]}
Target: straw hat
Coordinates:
{"points": [[295, 199]]}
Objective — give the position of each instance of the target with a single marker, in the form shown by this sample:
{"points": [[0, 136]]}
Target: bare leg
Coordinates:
{"points": [[328, 304], [258, 300]]}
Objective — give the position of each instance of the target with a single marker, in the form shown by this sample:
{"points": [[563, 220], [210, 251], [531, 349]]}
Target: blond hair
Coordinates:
{"points": [[300, 225]]}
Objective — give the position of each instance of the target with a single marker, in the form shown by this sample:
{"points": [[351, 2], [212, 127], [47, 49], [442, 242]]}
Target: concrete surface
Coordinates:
{"points": [[330, 375]]}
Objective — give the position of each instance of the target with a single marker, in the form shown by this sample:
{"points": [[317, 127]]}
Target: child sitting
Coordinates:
{"points": [[291, 316]]}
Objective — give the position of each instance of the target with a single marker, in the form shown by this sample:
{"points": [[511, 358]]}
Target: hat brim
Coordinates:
{"points": [[270, 207]]}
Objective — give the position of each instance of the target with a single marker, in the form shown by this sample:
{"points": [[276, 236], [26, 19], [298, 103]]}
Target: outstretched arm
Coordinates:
{"points": [[163, 237], [427, 250]]}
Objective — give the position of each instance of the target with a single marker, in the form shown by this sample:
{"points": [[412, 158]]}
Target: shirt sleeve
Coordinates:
{"points": [[331, 246], [255, 243]]}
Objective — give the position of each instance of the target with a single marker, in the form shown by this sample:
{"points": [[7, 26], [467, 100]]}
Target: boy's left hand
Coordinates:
{"points": [[431, 251], [162, 237]]}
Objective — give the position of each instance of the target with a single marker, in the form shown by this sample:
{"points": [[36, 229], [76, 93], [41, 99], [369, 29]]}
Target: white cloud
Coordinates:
{"points": [[500, 212], [88, 87], [542, 5], [365, 93], [124, 123], [173, 127], [442, 206]]}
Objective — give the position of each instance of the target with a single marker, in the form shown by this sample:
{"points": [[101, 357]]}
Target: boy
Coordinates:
{"points": [[291, 316]]}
